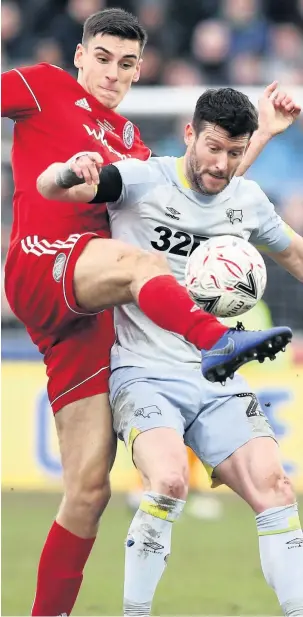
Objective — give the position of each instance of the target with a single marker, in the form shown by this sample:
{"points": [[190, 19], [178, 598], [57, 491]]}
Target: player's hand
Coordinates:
{"points": [[87, 166], [277, 110]]}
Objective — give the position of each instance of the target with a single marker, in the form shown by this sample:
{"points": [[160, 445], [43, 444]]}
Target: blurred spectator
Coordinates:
{"points": [[181, 73], [246, 69], [286, 53], [287, 43], [186, 14], [210, 41], [71, 21], [153, 17], [151, 66], [249, 29], [48, 50], [210, 47], [16, 40]]}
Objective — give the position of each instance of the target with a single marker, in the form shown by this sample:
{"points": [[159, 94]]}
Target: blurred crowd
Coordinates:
{"points": [[191, 42]]}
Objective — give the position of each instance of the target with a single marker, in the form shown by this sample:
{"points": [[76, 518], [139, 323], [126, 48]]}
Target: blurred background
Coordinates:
{"points": [[192, 44]]}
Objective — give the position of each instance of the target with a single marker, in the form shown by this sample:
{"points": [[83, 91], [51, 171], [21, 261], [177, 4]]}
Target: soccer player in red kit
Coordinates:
{"points": [[63, 273]]}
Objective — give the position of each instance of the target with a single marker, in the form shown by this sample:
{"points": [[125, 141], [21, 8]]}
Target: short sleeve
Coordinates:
{"points": [[138, 179], [24, 89], [272, 234]]}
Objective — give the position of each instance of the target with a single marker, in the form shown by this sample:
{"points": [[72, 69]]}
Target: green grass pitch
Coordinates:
{"points": [[213, 569]]}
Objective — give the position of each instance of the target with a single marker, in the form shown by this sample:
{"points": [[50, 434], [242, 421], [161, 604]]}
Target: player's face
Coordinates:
{"points": [[107, 67], [213, 157]]}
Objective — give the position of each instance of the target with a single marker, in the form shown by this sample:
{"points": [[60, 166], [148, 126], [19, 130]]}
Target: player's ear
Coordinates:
{"points": [[189, 135], [78, 56], [136, 75]]}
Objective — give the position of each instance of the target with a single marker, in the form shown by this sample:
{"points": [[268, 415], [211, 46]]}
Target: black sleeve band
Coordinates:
{"points": [[110, 187]]}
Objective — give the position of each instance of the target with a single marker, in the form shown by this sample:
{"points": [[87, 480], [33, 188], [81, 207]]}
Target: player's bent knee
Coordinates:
{"points": [[282, 488], [150, 264], [288, 491], [274, 490], [160, 456], [171, 483], [147, 266]]}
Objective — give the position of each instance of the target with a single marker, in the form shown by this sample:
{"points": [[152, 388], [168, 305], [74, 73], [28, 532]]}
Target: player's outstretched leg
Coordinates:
{"points": [[161, 455], [255, 472], [109, 272], [238, 346]]}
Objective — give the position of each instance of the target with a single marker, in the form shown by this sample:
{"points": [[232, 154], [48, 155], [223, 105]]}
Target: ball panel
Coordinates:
{"points": [[225, 276]]}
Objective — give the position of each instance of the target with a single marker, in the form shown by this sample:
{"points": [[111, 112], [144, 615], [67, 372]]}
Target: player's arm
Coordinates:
{"points": [[81, 179], [274, 237], [291, 259], [277, 111]]}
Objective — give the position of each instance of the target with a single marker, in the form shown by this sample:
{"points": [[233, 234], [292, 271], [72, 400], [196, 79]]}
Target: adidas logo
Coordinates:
{"points": [[83, 103]]}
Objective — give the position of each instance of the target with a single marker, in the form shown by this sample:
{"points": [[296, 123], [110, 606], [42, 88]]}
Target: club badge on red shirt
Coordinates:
{"points": [[128, 134]]}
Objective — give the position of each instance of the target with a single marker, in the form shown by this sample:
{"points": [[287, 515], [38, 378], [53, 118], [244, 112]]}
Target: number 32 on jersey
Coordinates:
{"points": [[177, 243]]}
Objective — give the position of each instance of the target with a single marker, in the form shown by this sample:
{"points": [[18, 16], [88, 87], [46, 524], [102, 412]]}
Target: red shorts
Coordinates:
{"points": [[75, 344]]}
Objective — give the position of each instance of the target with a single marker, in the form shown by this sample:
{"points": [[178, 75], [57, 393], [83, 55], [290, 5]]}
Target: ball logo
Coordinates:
{"points": [[250, 287], [128, 134], [59, 266]]}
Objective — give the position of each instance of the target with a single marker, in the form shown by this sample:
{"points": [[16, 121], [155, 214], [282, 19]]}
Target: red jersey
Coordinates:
{"points": [[55, 118]]}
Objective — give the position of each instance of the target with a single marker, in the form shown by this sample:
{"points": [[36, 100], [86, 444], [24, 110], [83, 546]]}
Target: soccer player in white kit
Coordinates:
{"points": [[159, 398]]}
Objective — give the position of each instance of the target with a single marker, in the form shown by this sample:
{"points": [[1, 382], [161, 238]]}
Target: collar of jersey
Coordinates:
{"points": [[206, 198], [180, 173]]}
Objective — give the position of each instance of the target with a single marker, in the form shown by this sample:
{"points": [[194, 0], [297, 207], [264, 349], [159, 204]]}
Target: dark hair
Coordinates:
{"points": [[115, 22], [228, 108]]}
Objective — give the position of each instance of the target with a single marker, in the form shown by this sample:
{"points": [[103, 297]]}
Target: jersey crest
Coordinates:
{"points": [[128, 134], [234, 215]]}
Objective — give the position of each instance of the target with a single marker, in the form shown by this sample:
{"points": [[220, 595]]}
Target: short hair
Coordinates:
{"points": [[115, 22], [227, 108]]}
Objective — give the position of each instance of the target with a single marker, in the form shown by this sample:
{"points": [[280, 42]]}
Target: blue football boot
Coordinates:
{"points": [[238, 346]]}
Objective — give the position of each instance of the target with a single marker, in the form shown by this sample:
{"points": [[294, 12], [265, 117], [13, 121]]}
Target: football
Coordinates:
{"points": [[225, 276]]}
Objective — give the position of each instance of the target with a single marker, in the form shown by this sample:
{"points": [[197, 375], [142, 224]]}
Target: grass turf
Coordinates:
{"points": [[213, 570]]}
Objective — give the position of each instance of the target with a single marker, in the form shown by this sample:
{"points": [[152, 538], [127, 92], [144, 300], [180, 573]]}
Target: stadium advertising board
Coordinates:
{"points": [[30, 456]]}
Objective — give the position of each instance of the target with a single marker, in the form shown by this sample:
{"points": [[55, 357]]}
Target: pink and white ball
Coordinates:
{"points": [[225, 276]]}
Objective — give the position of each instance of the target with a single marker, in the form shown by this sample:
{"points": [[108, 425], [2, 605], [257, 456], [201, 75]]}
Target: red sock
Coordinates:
{"points": [[60, 570], [168, 304]]}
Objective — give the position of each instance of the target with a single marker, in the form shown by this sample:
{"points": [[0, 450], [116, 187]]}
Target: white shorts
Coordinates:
{"points": [[214, 420]]}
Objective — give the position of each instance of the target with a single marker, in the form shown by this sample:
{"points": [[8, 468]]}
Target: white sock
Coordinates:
{"points": [[281, 552], [147, 548]]}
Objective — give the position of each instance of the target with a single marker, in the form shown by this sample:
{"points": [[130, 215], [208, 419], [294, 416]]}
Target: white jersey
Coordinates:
{"points": [[157, 211]]}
